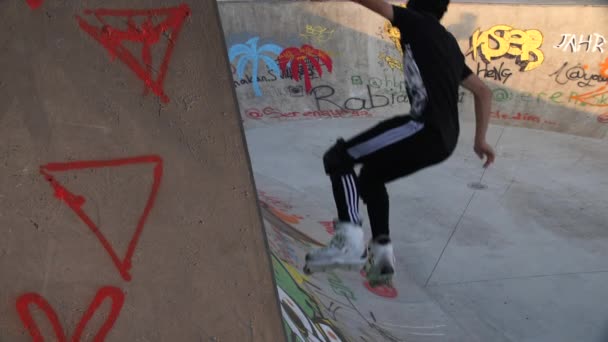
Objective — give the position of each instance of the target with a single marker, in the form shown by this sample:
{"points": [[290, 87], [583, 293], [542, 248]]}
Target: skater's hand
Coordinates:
{"points": [[483, 149]]}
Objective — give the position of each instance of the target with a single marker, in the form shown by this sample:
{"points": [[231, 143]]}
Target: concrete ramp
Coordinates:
{"points": [[339, 306], [127, 211]]}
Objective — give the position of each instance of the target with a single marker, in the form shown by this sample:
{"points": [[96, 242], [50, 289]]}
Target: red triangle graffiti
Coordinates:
{"points": [[147, 34], [75, 202]]}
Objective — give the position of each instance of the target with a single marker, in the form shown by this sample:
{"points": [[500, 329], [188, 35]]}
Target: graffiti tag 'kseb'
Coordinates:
{"points": [[505, 41]]}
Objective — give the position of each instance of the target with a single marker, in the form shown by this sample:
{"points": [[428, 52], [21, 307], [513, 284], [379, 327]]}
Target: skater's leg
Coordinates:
{"points": [[398, 159], [346, 197], [339, 166], [375, 196], [375, 148], [346, 249], [340, 159]]}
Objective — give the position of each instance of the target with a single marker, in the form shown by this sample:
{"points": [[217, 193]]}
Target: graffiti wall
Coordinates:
{"points": [[337, 60], [114, 125]]}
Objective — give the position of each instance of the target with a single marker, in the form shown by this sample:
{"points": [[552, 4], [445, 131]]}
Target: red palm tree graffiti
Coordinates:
{"points": [[294, 57]]}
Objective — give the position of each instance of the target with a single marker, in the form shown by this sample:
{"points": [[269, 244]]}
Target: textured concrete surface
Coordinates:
{"points": [[520, 258], [199, 270]]}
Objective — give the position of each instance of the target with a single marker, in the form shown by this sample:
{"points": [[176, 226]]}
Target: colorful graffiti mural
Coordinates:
{"points": [[302, 315], [513, 54]]}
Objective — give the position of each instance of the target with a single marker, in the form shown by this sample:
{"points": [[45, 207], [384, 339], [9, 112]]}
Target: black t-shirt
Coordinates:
{"points": [[434, 67]]}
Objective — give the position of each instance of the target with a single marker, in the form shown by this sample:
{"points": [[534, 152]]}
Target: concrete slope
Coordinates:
{"points": [[127, 211], [522, 258], [339, 306]]}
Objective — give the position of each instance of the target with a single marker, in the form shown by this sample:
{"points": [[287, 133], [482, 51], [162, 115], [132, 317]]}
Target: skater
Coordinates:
{"points": [[434, 68]]}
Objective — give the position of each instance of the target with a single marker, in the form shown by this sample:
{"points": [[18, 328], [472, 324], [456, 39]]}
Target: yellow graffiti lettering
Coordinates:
{"points": [[504, 41], [318, 34], [392, 62], [394, 35]]}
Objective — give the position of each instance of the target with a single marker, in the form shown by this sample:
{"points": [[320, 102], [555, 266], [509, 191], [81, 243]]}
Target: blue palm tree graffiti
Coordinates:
{"points": [[249, 53]]}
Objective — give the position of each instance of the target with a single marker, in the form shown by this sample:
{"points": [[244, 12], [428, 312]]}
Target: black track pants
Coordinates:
{"points": [[392, 149]]}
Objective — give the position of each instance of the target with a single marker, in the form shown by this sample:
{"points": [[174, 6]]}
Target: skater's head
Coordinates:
{"points": [[435, 7]]}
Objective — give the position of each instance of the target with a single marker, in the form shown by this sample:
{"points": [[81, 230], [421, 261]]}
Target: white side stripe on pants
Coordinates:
{"points": [[352, 198], [384, 139]]}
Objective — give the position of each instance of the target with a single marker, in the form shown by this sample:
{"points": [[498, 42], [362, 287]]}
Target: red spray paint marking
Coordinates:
{"points": [[75, 202], [604, 68], [116, 296], [385, 291], [298, 58], [147, 34], [34, 4], [329, 227]]}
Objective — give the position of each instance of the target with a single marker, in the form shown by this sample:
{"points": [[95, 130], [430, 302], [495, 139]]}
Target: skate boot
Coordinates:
{"points": [[346, 250], [380, 266]]}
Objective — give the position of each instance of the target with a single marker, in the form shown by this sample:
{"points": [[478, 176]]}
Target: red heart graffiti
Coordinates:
{"points": [[115, 294]]}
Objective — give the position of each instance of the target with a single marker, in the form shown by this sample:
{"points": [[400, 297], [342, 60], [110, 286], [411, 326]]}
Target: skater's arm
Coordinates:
{"points": [[483, 101], [381, 7]]}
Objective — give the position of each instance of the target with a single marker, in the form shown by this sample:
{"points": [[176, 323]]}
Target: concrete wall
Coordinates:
{"points": [[126, 211], [544, 63]]}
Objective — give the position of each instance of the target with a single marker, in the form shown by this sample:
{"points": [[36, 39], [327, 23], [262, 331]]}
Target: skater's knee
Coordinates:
{"points": [[337, 160]]}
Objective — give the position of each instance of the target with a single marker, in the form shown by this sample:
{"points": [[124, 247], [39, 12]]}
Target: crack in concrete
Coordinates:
{"points": [[466, 208]]}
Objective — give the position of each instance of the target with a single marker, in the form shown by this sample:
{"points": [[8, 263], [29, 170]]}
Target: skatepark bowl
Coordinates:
{"points": [[161, 175], [517, 252]]}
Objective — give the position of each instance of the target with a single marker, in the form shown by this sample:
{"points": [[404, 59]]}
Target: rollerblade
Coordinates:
{"points": [[380, 266], [346, 250]]}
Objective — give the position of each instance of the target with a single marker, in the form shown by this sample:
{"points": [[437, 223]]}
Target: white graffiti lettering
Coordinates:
{"points": [[577, 43]]}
